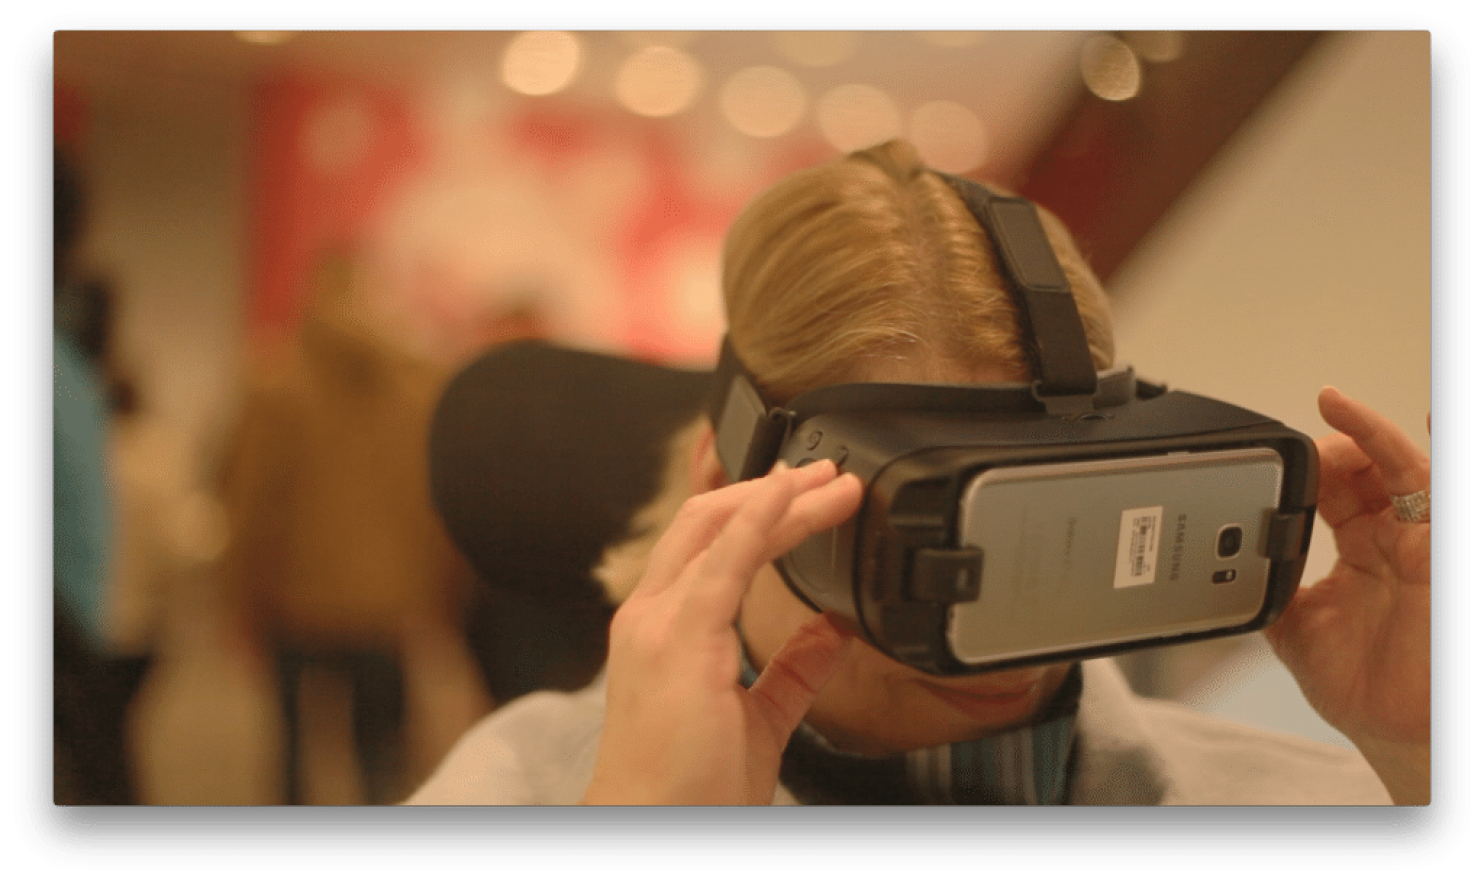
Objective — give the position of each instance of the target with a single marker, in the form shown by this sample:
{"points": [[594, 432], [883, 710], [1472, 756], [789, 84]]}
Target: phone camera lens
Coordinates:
{"points": [[1229, 542]]}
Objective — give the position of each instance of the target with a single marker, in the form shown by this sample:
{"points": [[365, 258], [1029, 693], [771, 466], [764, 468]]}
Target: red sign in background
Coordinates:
{"points": [[586, 224]]}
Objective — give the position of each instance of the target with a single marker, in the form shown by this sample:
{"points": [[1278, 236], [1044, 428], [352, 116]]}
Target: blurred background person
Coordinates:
{"points": [[94, 681], [336, 567]]}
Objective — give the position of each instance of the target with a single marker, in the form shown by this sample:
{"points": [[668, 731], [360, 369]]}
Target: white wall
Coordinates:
{"points": [[1302, 259], [169, 226]]}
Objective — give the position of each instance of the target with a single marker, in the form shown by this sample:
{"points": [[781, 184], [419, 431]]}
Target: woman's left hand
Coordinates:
{"points": [[1359, 640]]}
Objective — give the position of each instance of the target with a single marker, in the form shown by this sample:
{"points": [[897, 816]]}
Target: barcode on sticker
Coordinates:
{"points": [[1138, 547]]}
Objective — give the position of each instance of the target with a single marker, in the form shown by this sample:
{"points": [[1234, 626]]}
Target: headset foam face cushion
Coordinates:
{"points": [[541, 454]]}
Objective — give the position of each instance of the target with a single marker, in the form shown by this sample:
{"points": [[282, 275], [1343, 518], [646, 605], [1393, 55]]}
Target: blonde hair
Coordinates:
{"points": [[875, 256], [870, 257]]}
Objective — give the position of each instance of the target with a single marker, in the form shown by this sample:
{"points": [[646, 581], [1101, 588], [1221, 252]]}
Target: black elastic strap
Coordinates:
{"points": [[1056, 342]]}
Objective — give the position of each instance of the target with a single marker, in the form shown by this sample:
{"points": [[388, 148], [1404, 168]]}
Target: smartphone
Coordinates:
{"points": [[1085, 554]]}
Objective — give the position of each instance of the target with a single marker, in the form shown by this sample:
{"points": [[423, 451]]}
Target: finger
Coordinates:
{"points": [[760, 532], [795, 675], [812, 512], [1403, 467], [702, 518], [766, 532], [692, 528], [1349, 482]]}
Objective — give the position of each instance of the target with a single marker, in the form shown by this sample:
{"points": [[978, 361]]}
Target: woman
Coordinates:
{"points": [[871, 269]]}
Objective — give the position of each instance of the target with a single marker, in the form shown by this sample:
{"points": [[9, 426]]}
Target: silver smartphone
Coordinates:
{"points": [[1080, 555]]}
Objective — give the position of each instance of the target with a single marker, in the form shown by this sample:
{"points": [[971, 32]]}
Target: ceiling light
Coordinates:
{"points": [[542, 62], [763, 101], [658, 81], [1109, 68]]}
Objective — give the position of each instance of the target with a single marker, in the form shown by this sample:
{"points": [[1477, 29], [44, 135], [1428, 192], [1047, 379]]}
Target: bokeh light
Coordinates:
{"points": [[1109, 68], [658, 81], [763, 101], [266, 38], [542, 62]]}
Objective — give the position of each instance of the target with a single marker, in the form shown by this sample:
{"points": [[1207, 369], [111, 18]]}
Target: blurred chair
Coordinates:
{"points": [[540, 456]]}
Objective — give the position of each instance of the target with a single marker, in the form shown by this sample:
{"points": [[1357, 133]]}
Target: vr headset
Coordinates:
{"points": [[1079, 515]]}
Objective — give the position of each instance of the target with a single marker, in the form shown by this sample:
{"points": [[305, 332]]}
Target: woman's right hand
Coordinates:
{"points": [[680, 728]]}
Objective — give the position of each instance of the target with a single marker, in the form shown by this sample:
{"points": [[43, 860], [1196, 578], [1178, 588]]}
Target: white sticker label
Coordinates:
{"points": [[1138, 547]]}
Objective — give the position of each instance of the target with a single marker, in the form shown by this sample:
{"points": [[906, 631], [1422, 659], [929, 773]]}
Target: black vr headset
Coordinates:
{"points": [[1082, 514]]}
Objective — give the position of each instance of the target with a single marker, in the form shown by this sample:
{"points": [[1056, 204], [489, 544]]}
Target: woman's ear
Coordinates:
{"points": [[706, 473]]}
